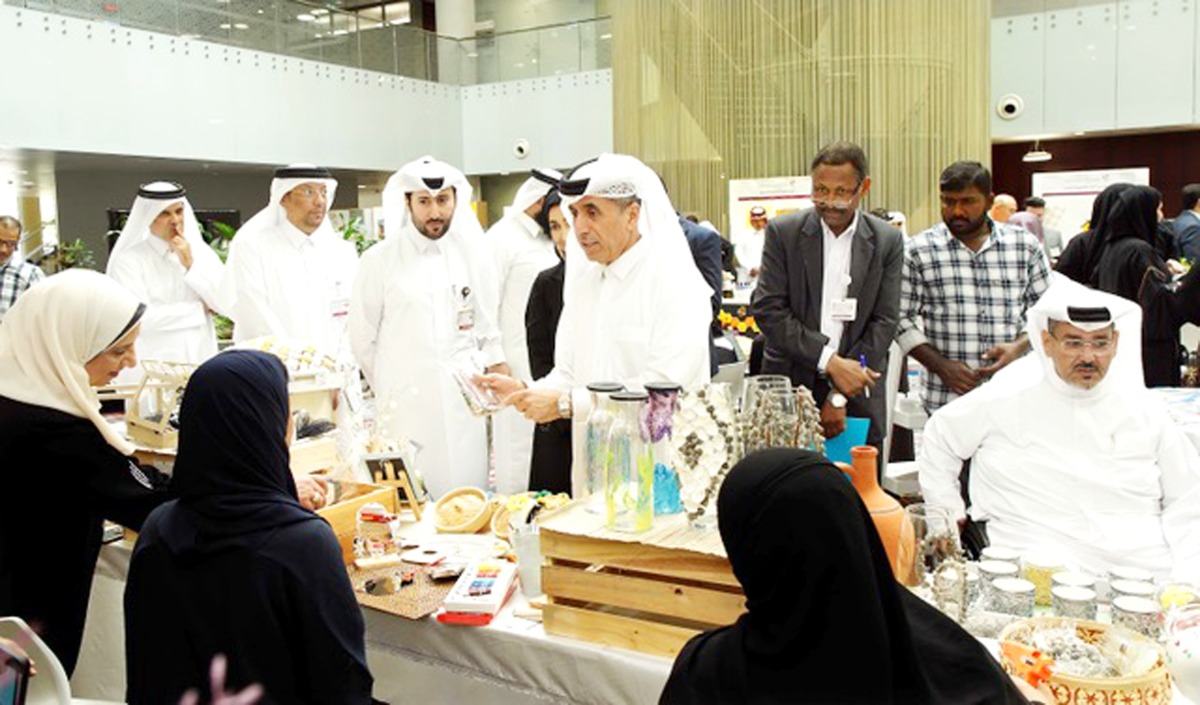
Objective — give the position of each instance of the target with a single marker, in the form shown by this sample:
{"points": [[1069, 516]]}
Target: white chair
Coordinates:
{"points": [[50, 686]]}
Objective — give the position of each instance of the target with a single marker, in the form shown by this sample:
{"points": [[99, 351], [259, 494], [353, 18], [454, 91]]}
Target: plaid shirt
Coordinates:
{"points": [[963, 302], [16, 276]]}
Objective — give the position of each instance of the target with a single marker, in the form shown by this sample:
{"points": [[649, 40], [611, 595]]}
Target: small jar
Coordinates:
{"points": [[1133, 588], [1072, 578], [1037, 569], [1013, 596], [1128, 573], [1137, 613], [991, 569], [1074, 602], [1000, 553]]}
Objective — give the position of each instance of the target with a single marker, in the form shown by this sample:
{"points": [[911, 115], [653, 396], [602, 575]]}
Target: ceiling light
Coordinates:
{"points": [[241, 25], [225, 25], [306, 17], [1037, 154]]}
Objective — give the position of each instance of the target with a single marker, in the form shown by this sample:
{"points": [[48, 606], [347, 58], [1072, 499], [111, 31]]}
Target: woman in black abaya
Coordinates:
{"points": [[236, 565], [826, 622]]}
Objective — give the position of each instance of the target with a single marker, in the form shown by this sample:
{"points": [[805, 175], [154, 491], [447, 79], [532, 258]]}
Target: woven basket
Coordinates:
{"points": [[1152, 687], [448, 521]]}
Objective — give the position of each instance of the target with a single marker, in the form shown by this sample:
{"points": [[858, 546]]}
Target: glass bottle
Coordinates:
{"points": [[662, 404], [599, 419], [629, 473]]}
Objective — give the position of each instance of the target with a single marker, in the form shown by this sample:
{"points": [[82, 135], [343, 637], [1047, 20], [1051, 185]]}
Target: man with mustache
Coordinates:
{"points": [[829, 293], [424, 305], [1071, 455], [967, 284]]}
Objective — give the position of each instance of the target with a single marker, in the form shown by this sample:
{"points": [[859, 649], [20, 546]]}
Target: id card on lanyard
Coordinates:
{"points": [[464, 306]]}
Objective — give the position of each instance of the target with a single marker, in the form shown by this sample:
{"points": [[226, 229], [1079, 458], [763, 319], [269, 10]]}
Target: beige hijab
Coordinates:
{"points": [[53, 330]]}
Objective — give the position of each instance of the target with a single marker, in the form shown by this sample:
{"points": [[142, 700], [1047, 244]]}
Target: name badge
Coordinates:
{"points": [[466, 318], [340, 308], [466, 307], [844, 309]]}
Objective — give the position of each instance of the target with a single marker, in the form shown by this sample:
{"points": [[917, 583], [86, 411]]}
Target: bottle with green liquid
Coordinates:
{"points": [[629, 472]]}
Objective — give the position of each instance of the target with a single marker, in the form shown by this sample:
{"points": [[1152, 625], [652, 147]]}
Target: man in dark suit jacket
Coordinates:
{"points": [[828, 296], [1187, 225], [705, 245]]}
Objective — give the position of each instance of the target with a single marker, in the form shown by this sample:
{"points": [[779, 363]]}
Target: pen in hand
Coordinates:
{"points": [[862, 361]]}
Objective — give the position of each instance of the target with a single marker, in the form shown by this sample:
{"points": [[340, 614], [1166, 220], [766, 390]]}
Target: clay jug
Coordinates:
{"points": [[894, 527]]}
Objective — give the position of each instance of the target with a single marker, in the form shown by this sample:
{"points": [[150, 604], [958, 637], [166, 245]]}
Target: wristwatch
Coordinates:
{"points": [[836, 399], [564, 404]]}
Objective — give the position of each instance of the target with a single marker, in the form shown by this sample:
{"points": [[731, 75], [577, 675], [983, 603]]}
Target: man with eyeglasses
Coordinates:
{"points": [[829, 292], [1071, 456], [967, 284], [16, 275], [289, 273]]}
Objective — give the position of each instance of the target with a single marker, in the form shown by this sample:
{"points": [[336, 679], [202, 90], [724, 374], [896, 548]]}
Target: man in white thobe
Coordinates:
{"points": [[289, 273], [1072, 456], [635, 308], [521, 251], [162, 258], [423, 305], [748, 246]]}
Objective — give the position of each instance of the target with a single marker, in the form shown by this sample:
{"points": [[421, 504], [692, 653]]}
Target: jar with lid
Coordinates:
{"points": [[599, 419], [629, 473]]}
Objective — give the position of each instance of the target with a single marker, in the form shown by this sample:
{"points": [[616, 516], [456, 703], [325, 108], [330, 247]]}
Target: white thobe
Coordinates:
{"points": [[521, 252], [633, 321], [414, 310], [1097, 480], [177, 325], [748, 248], [292, 285]]}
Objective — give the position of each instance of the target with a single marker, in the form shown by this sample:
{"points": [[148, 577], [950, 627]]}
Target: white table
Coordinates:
{"points": [[510, 661]]}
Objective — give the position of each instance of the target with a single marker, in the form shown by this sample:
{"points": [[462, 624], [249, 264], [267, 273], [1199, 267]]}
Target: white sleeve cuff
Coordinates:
{"points": [[826, 353]]}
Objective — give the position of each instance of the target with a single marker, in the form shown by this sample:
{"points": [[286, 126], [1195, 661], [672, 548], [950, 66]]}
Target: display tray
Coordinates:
{"points": [[416, 601], [646, 592]]}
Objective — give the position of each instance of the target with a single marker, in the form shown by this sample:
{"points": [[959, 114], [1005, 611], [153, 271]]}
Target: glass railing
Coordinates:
{"points": [[366, 39]]}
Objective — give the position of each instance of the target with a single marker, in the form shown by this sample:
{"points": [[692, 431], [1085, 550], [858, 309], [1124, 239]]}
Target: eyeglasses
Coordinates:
{"points": [[309, 192], [821, 193], [1101, 346], [9, 244]]}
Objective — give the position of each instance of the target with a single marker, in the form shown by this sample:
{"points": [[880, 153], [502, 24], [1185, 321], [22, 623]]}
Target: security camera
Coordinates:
{"points": [[1010, 107], [521, 148]]}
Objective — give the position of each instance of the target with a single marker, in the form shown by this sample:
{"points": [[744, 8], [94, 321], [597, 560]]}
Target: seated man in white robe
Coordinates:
{"points": [[635, 308], [1071, 456], [162, 258]]}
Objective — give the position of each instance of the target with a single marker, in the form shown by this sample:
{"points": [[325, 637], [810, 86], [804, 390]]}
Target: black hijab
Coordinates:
{"points": [[1133, 213], [826, 622], [1082, 253], [232, 471]]}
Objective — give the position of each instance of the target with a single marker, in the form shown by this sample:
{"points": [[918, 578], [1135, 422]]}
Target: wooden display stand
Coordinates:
{"points": [[343, 515], [390, 472], [166, 380], [648, 592]]}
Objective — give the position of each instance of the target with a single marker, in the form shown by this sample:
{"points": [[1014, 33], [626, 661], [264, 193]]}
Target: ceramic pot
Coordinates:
{"points": [[894, 527]]}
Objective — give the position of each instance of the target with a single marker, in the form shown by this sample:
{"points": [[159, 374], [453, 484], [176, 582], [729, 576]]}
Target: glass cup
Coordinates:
{"points": [[1037, 568], [935, 535], [527, 545]]}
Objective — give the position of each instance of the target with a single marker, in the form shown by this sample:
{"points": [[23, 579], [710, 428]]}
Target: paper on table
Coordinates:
{"points": [[837, 449]]}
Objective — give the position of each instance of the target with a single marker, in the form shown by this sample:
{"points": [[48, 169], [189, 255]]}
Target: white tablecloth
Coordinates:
{"points": [[510, 661]]}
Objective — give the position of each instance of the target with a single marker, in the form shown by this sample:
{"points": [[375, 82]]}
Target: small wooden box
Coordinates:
{"points": [[629, 592], [343, 515], [313, 454]]}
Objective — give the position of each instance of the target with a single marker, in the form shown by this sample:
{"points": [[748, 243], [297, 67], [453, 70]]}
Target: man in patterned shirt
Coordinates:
{"points": [[967, 284], [16, 275]]}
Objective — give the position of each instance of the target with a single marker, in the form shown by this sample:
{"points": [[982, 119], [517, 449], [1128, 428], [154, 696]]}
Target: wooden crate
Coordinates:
{"points": [[343, 516], [639, 596]]}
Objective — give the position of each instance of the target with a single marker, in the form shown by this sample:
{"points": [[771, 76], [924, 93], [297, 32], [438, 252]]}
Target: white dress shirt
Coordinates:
{"points": [[177, 326], [415, 311], [834, 283], [521, 251], [630, 322], [292, 285], [748, 248]]}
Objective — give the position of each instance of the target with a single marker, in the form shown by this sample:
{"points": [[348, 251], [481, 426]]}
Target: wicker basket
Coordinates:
{"points": [[1152, 687], [450, 520]]}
